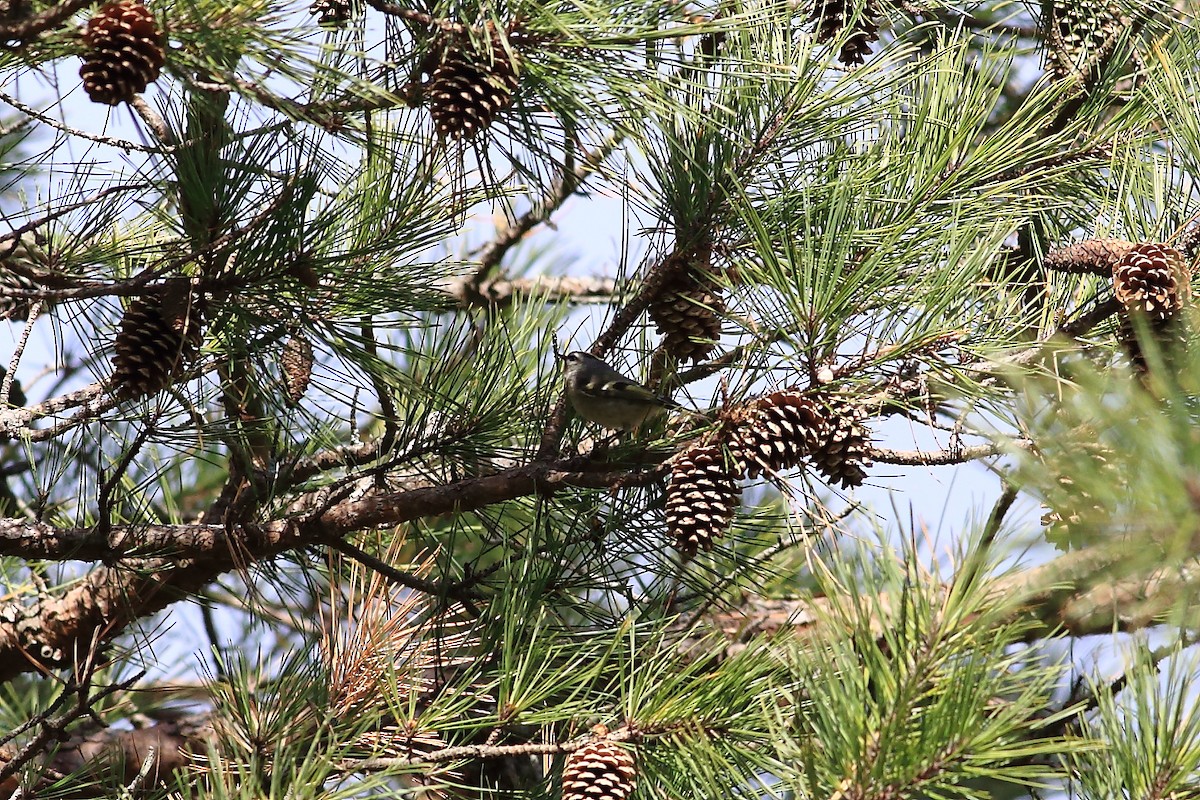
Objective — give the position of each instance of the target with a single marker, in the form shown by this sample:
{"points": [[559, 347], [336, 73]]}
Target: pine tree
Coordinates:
{"points": [[293, 504]]}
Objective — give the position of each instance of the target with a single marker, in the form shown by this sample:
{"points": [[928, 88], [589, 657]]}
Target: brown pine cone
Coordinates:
{"points": [[125, 52], [599, 770], [832, 16], [1152, 279], [296, 364], [470, 86], [687, 309], [702, 499], [159, 333], [1092, 256]]}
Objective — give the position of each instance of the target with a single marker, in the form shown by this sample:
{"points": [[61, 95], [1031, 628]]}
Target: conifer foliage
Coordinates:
{"points": [[292, 503]]}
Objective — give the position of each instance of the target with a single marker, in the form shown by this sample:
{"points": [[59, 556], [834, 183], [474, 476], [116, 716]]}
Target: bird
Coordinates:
{"points": [[600, 394]]}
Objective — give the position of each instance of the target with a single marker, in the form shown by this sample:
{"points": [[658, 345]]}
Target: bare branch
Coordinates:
{"points": [[27, 29], [951, 455], [503, 292], [475, 751], [112, 141]]}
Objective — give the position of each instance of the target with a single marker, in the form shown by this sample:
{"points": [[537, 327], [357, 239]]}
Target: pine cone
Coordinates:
{"points": [[599, 770], [843, 455], [1152, 279], [159, 332], [334, 12], [832, 16], [687, 309], [1082, 28], [778, 431], [471, 86], [1092, 256], [125, 52], [25, 251], [296, 363], [702, 499]]}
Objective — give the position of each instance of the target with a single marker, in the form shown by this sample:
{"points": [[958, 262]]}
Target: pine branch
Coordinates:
{"points": [[110, 598], [50, 729], [1083, 593], [21, 32], [951, 455]]}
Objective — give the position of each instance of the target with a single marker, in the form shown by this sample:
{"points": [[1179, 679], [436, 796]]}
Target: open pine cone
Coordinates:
{"points": [[470, 86], [1152, 282], [702, 498], [832, 16], [687, 309], [125, 52], [1152, 279], [599, 770], [780, 430]]}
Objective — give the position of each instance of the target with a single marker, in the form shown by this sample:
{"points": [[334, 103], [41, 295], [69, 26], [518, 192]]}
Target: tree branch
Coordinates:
{"points": [[188, 557], [23, 31]]}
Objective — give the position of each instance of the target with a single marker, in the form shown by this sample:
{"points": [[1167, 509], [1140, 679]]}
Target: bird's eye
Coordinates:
{"points": [[572, 358]]}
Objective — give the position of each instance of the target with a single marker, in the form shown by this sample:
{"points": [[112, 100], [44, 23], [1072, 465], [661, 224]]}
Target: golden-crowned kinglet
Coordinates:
{"points": [[601, 394]]}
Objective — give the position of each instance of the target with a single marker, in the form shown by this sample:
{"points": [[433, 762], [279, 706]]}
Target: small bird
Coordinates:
{"points": [[602, 395]]}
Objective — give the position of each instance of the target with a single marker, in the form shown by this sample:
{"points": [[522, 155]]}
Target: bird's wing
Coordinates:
{"points": [[605, 385]]}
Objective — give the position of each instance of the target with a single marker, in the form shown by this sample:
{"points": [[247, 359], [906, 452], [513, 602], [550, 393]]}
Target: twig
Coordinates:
{"points": [[387, 402], [15, 127], [135, 786], [1070, 330], [764, 557], [502, 292], [154, 120], [112, 141], [954, 455], [484, 751], [954, 17], [136, 285], [214, 641], [6, 387], [991, 529], [34, 224], [51, 729], [109, 484], [1091, 700], [407, 14], [388, 571]]}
